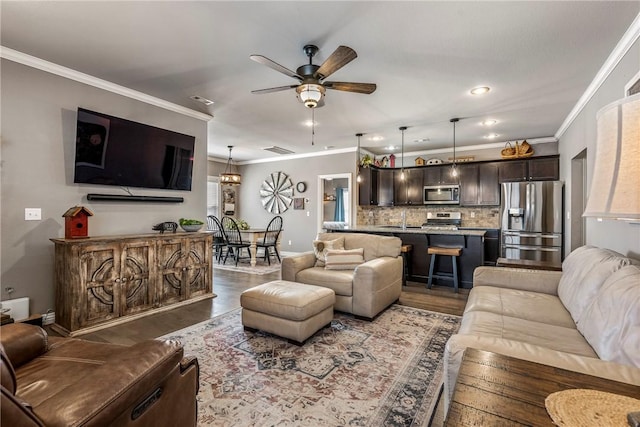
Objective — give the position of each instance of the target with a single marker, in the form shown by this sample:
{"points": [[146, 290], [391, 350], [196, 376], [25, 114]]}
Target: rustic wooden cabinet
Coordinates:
{"points": [[102, 281], [385, 187]]}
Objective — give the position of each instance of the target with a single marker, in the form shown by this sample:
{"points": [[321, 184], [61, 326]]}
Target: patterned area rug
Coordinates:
{"points": [[354, 373]]}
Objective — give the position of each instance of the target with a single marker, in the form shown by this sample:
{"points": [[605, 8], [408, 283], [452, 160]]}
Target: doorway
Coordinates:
{"points": [[578, 200], [334, 201]]}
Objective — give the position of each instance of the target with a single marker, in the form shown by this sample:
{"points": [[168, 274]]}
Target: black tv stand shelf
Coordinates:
{"points": [[126, 198]]}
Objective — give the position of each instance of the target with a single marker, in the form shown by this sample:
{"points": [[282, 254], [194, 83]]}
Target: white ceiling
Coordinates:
{"points": [[538, 58]]}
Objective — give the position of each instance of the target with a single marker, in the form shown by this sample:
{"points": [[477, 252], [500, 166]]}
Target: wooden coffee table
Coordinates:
{"points": [[497, 390]]}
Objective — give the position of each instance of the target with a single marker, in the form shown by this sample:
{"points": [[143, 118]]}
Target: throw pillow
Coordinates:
{"points": [[321, 246], [345, 259]]}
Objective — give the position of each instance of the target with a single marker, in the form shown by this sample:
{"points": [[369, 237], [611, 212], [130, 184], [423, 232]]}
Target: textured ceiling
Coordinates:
{"points": [[538, 58]]}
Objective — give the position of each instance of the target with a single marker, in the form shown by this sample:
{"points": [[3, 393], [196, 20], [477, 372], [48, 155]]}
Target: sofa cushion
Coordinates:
{"points": [[320, 248], [343, 259], [583, 273], [611, 323], [535, 306], [543, 334], [375, 246], [341, 281]]}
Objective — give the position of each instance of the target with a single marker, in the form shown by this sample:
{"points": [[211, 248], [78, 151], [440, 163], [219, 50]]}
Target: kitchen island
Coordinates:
{"points": [[470, 240]]}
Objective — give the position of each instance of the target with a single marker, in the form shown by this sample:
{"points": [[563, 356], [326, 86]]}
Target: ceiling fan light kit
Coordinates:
{"points": [[311, 86]]}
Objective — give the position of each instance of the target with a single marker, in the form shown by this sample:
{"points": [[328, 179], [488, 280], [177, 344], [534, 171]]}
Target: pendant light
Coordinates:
{"points": [[359, 178], [228, 177], [402, 129], [454, 170]]}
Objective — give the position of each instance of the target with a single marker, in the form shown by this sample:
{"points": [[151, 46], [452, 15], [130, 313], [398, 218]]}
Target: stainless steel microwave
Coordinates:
{"points": [[441, 195]]}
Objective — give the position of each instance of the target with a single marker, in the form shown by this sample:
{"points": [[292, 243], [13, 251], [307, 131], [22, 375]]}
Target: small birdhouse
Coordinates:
{"points": [[419, 161], [392, 161], [76, 222]]}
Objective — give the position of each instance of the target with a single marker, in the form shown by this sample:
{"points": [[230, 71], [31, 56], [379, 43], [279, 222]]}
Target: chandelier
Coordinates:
{"points": [[228, 177]]}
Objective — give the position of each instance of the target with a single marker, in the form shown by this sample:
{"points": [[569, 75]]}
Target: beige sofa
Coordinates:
{"points": [[364, 291], [585, 318]]}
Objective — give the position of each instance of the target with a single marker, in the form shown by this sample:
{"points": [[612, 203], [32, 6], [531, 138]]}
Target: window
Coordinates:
{"points": [[213, 196]]}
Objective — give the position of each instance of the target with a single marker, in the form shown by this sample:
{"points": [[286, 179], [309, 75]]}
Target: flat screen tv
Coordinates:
{"points": [[115, 151]]}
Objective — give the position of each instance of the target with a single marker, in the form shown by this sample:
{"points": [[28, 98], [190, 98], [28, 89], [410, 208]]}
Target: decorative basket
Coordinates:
{"points": [[519, 151]]}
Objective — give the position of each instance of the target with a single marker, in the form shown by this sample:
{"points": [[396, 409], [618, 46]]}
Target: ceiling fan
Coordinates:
{"points": [[311, 86]]}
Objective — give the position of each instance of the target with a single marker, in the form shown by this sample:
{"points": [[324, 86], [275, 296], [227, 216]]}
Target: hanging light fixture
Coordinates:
{"points": [[310, 94], [402, 129], [228, 177], [359, 178], [454, 170]]}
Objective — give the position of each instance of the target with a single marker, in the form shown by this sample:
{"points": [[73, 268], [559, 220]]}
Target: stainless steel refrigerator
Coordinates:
{"points": [[532, 220]]}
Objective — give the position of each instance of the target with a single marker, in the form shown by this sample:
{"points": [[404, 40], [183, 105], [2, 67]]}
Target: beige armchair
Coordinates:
{"points": [[364, 291]]}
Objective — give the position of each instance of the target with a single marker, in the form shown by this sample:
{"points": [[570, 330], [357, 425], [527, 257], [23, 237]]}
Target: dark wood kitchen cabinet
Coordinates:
{"points": [[479, 184], [368, 187], [385, 187], [534, 169], [409, 190], [438, 175]]}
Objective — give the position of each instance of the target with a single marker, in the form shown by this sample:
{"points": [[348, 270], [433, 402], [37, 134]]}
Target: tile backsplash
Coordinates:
{"points": [[481, 217]]}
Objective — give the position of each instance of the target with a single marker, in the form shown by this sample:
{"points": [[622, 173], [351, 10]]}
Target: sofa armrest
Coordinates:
{"points": [[291, 265], [456, 345], [23, 342], [518, 278], [376, 284], [127, 383]]}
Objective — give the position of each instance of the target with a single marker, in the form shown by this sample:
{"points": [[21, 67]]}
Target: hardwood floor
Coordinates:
{"points": [[228, 286]]}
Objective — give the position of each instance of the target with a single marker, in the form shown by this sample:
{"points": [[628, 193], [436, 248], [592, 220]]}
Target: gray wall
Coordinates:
{"points": [[617, 235], [38, 112], [297, 226]]}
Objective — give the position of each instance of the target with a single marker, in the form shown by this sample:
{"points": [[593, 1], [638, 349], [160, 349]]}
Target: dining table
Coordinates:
{"points": [[253, 236]]}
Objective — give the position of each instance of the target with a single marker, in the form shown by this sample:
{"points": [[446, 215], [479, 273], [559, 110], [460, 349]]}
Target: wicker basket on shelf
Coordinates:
{"points": [[523, 149]]}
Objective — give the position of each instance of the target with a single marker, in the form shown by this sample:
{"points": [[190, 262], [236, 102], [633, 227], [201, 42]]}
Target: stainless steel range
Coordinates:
{"points": [[442, 221]]}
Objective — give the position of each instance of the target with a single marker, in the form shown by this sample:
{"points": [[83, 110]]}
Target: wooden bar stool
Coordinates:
{"points": [[406, 251], [454, 253]]}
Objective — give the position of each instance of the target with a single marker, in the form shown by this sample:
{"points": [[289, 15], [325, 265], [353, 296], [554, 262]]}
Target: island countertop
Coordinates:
{"points": [[411, 230]]}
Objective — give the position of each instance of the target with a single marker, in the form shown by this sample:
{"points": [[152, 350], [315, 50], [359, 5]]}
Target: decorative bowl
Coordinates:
{"points": [[191, 228]]}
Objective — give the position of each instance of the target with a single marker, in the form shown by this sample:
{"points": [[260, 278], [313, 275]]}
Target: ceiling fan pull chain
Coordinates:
{"points": [[313, 126]]}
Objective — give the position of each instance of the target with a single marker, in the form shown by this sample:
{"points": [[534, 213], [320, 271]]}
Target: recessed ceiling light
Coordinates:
{"points": [[480, 90], [421, 140], [491, 136], [329, 147], [376, 138], [205, 101], [390, 147], [309, 123], [489, 122]]}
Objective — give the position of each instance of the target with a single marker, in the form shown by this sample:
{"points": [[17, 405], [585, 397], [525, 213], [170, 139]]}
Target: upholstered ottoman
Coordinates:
{"points": [[287, 309]]}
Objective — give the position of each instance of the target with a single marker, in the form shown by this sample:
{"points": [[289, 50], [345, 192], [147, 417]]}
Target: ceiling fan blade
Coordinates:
{"points": [[338, 59], [351, 87], [275, 66], [273, 89]]}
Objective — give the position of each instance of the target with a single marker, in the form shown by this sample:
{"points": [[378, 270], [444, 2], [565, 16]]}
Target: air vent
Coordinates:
{"points": [[278, 150], [205, 101]]}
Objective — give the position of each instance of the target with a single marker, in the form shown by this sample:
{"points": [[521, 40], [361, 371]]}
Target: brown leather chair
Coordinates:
{"points": [[49, 381]]}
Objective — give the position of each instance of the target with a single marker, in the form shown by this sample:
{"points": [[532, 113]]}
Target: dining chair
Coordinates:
{"points": [[270, 239], [219, 237], [234, 239]]}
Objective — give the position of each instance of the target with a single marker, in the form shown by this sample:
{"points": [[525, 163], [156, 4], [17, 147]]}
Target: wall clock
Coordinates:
{"points": [[276, 193]]}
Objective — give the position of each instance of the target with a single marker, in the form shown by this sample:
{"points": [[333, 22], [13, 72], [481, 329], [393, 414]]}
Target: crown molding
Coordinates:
{"points": [[464, 148], [59, 70], [298, 156], [628, 39]]}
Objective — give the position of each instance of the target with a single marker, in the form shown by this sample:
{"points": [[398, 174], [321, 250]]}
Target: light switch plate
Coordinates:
{"points": [[32, 214]]}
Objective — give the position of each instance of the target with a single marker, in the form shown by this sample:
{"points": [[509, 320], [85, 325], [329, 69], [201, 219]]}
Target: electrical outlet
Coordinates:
{"points": [[308, 213], [32, 214], [473, 214], [289, 242]]}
